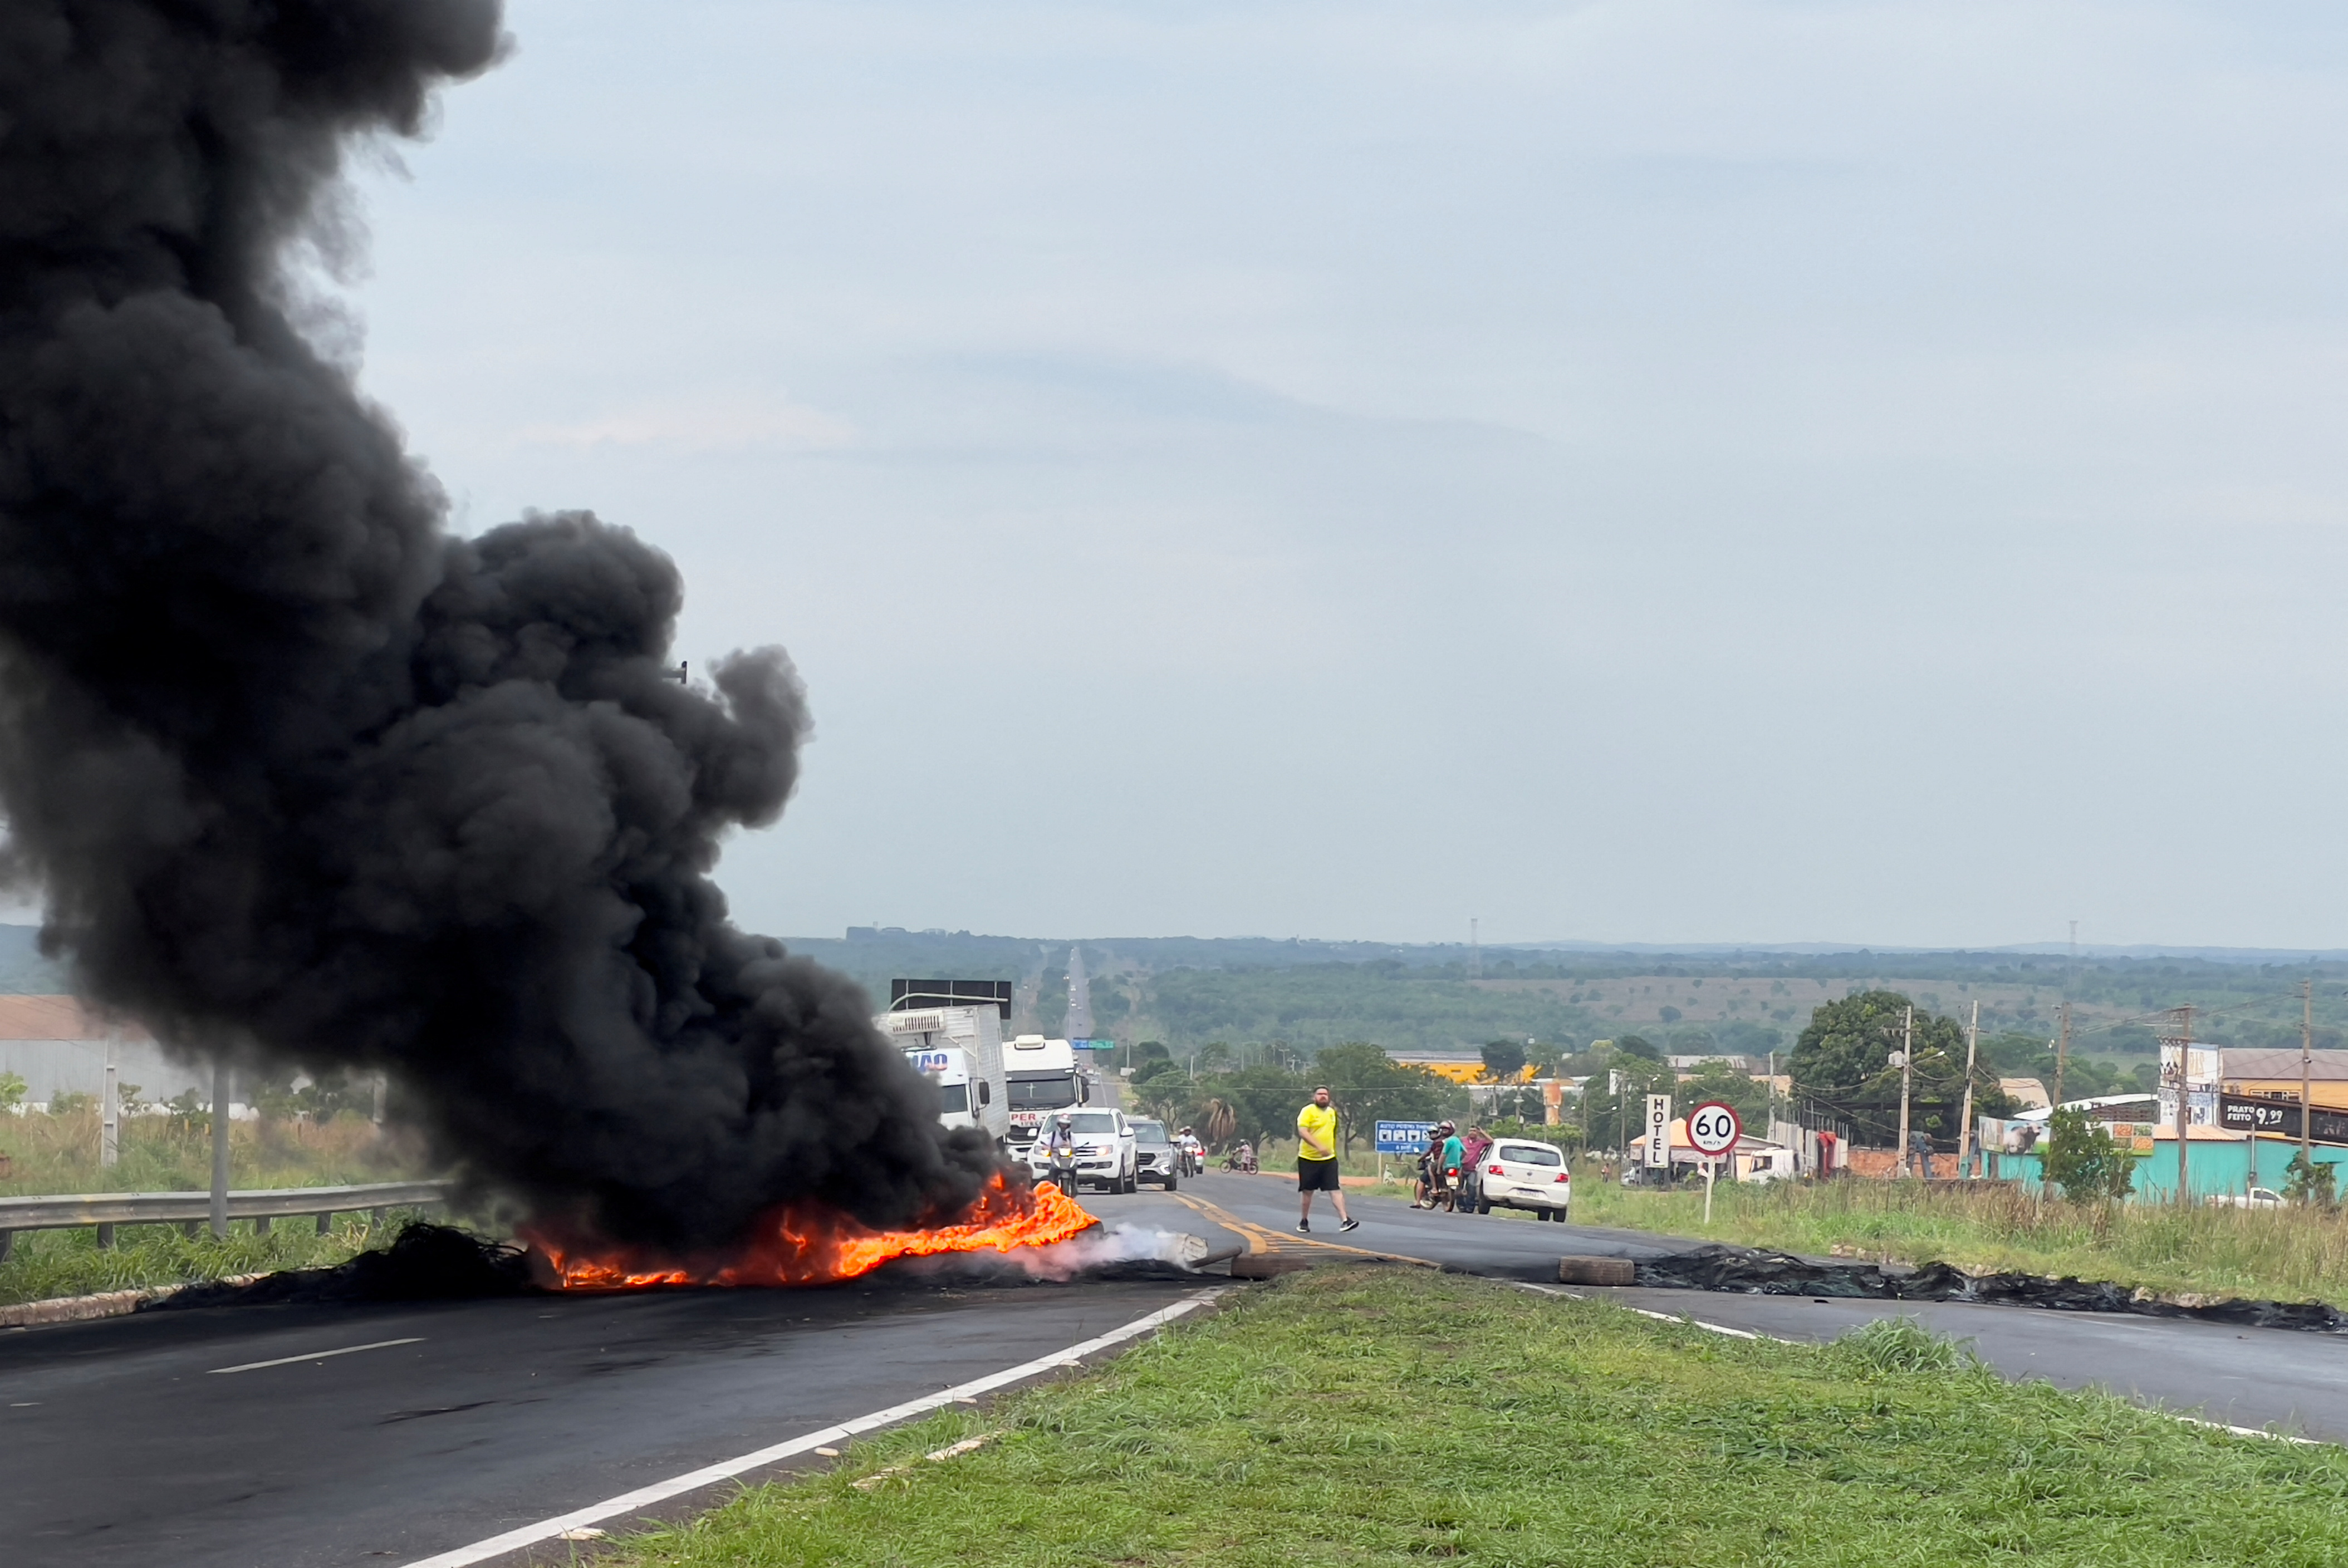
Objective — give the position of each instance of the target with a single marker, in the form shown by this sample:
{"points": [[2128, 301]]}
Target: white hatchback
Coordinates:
{"points": [[1518, 1175]]}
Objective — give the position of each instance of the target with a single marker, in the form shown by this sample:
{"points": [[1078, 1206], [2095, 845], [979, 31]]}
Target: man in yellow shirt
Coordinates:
{"points": [[1316, 1161]]}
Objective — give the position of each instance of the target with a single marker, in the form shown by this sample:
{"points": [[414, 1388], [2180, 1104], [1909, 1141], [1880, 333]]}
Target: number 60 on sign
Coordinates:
{"points": [[1713, 1128]]}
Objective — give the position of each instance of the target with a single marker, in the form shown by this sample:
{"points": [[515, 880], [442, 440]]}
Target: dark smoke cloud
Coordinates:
{"points": [[302, 775]]}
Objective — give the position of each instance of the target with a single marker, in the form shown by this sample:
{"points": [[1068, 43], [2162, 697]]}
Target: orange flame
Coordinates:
{"points": [[813, 1245]]}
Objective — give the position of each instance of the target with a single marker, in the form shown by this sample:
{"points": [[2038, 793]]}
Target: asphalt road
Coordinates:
{"points": [[2293, 1380], [121, 1442]]}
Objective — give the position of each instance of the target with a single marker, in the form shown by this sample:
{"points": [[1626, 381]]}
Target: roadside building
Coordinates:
{"points": [[2274, 1075], [58, 1046]]}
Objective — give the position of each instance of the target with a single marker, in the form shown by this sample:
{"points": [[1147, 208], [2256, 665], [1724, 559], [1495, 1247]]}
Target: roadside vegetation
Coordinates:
{"points": [[47, 1263], [1361, 1415], [2296, 1253], [59, 1153]]}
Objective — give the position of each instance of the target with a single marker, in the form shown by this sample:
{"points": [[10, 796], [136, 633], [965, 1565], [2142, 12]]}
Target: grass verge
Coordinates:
{"points": [[172, 1153], [47, 1264], [2290, 1255], [1368, 1416]]}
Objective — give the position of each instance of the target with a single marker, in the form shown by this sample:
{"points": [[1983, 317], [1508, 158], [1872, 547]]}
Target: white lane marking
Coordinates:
{"points": [[1747, 1334], [316, 1356], [725, 1469], [1659, 1317]]}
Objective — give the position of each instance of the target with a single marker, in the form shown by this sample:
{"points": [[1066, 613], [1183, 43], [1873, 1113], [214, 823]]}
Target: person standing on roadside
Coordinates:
{"points": [[1472, 1149], [1316, 1161]]}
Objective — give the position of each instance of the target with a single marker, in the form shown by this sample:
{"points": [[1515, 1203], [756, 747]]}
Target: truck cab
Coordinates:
{"points": [[959, 1048], [1044, 1079]]}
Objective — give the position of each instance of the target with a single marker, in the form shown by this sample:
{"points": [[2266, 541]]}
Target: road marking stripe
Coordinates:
{"points": [[1749, 1334], [316, 1356], [725, 1469], [1263, 1239]]}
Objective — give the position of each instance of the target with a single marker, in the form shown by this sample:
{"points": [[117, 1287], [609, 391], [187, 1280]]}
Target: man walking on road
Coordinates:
{"points": [[1316, 1161]]}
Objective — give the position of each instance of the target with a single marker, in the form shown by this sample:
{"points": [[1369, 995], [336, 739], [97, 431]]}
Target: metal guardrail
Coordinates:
{"points": [[77, 1211]]}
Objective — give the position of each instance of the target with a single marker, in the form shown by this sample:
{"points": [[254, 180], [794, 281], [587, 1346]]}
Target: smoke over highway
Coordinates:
{"points": [[300, 775]]}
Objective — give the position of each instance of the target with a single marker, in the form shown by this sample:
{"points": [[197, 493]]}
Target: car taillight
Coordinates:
{"points": [[1563, 1177], [1494, 1171]]}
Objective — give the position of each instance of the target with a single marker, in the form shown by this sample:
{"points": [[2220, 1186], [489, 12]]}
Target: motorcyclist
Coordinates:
{"points": [[1194, 1153], [1060, 1154]]}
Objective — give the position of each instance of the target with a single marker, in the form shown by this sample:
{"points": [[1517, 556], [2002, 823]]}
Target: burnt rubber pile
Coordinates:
{"points": [[1750, 1272], [443, 1262]]}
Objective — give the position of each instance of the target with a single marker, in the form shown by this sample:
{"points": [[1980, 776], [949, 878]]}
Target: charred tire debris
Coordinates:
{"points": [[1748, 1271], [427, 1262]]}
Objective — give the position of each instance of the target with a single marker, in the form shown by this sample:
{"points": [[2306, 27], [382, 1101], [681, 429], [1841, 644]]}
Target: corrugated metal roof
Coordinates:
{"points": [[59, 1017], [2241, 1061]]}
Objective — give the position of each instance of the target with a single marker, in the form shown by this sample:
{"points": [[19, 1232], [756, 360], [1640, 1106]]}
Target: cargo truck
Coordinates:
{"points": [[951, 1033]]}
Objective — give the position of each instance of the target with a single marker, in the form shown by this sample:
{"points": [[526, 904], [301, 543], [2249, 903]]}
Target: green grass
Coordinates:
{"points": [[167, 1153], [1388, 1416], [46, 1264], [2290, 1255]]}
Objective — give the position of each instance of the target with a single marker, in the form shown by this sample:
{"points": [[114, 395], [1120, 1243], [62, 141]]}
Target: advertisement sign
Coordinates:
{"points": [[1403, 1137], [1655, 1139], [2252, 1113]]}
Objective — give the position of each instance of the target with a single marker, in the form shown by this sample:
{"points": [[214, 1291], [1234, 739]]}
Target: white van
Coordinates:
{"points": [[1525, 1175]]}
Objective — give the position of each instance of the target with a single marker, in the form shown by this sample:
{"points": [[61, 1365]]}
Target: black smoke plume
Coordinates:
{"points": [[302, 776]]}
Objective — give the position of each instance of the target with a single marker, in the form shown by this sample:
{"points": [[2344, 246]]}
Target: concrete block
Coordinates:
{"points": [[1597, 1271]]}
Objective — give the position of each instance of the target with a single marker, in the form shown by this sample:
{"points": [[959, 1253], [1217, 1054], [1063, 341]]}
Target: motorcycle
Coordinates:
{"points": [[1242, 1159]]}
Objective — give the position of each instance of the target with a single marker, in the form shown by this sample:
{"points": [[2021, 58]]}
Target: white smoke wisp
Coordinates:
{"points": [[1105, 1244]]}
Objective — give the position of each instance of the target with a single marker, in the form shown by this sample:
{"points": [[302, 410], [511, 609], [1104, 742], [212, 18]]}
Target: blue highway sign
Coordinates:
{"points": [[1403, 1137]]}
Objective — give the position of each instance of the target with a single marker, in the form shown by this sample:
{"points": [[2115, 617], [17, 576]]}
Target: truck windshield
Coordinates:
{"points": [[1043, 1094], [953, 1096]]}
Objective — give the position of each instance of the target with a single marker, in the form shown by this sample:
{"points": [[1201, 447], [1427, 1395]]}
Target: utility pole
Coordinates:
{"points": [[219, 1148], [110, 1130], [1965, 1119], [2306, 1071], [1907, 1078], [2180, 1035], [2062, 1050]]}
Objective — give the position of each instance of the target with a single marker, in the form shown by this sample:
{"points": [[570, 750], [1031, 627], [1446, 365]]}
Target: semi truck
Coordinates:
{"points": [[1043, 1080], [951, 1033]]}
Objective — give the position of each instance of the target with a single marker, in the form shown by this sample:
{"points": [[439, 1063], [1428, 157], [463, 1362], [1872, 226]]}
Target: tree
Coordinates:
{"points": [[1503, 1058], [12, 1090], [1841, 1065], [2311, 1184], [2082, 1159], [1616, 1098], [1367, 1086], [1639, 1046], [1715, 1080]]}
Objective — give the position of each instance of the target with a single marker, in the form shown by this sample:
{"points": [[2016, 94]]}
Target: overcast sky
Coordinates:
{"points": [[1644, 472]]}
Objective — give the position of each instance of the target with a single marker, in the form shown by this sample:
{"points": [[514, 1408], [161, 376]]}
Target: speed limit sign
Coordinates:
{"points": [[1713, 1128]]}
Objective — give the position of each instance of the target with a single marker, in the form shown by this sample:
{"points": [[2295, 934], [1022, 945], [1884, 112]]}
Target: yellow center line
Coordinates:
{"points": [[1263, 1239]]}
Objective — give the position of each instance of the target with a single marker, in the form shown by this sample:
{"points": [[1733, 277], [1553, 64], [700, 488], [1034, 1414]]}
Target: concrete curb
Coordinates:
{"points": [[106, 1303]]}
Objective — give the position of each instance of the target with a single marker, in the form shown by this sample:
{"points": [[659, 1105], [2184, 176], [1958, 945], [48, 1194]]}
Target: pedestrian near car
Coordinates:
{"points": [[1316, 1161], [1472, 1149]]}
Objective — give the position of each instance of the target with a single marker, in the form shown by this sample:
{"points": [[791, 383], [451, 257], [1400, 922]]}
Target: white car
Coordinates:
{"points": [[1104, 1152], [1521, 1175], [2256, 1198]]}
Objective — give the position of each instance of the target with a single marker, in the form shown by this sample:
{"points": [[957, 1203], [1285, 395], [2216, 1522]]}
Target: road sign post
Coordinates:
{"points": [[1400, 1138], [1713, 1130]]}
